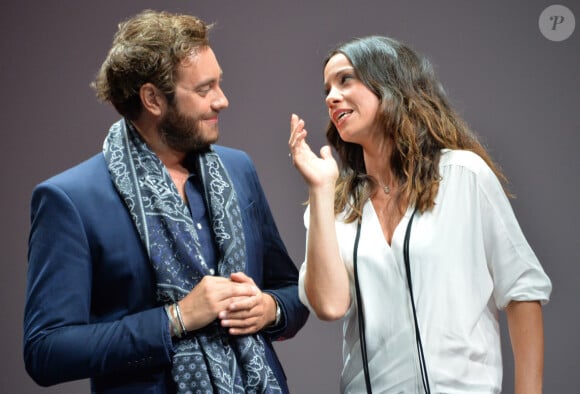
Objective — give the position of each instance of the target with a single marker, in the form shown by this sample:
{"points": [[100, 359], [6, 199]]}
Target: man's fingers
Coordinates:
{"points": [[226, 288]]}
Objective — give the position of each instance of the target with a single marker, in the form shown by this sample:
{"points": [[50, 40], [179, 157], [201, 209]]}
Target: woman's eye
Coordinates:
{"points": [[346, 77]]}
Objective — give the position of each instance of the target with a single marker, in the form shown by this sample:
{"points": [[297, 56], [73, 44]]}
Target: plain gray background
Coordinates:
{"points": [[518, 90]]}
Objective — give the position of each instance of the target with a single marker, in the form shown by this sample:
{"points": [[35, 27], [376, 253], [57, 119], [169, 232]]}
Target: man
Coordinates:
{"points": [[156, 265]]}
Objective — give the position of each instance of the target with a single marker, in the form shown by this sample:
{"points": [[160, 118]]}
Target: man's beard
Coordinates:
{"points": [[182, 133]]}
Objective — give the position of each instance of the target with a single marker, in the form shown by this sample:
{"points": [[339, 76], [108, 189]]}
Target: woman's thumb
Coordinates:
{"points": [[325, 152]]}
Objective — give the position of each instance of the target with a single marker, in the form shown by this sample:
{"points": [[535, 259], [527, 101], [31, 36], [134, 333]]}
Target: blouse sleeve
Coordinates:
{"points": [[304, 267], [517, 273]]}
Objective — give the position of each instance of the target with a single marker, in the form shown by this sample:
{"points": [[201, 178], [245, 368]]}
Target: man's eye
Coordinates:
{"points": [[203, 90]]}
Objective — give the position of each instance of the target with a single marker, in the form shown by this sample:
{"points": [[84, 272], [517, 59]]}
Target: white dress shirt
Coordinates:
{"points": [[469, 259]]}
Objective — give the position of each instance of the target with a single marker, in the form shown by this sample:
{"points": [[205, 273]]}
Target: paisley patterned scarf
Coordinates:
{"points": [[207, 360]]}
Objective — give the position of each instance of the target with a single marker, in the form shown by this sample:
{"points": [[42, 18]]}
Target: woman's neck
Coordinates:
{"points": [[377, 159]]}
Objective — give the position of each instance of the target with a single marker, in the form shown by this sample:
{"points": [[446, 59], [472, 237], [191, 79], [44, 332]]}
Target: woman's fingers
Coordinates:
{"points": [[297, 132]]}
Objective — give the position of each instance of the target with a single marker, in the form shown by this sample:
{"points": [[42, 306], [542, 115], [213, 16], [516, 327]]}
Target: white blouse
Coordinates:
{"points": [[469, 259]]}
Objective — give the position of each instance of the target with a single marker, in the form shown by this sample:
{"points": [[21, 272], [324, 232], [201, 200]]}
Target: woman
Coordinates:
{"points": [[407, 157]]}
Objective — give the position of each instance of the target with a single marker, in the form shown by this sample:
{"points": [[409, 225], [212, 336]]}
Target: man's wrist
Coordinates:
{"points": [[277, 312], [176, 326], [278, 317]]}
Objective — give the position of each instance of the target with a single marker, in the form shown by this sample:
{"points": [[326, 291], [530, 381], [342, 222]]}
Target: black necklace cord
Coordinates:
{"points": [[361, 323], [422, 363], [360, 312]]}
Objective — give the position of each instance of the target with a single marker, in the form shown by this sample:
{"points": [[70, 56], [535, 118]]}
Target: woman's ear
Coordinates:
{"points": [[152, 99]]}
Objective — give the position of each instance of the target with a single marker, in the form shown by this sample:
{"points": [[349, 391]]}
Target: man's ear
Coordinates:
{"points": [[152, 99]]}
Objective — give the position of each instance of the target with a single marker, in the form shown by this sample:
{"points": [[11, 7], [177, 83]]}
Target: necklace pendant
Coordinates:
{"points": [[386, 189]]}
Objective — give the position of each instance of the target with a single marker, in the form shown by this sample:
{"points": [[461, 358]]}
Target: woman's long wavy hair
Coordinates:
{"points": [[414, 112], [148, 47]]}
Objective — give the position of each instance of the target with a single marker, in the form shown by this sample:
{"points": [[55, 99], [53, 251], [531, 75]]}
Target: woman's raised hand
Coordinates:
{"points": [[317, 171]]}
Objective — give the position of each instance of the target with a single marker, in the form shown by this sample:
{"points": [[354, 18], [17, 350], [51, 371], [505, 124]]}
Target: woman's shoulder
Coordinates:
{"points": [[463, 158], [463, 166]]}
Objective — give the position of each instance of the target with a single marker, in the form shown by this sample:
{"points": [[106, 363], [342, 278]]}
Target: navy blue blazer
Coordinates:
{"points": [[91, 310]]}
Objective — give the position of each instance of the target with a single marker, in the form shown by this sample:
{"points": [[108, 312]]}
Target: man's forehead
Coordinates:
{"points": [[200, 64]]}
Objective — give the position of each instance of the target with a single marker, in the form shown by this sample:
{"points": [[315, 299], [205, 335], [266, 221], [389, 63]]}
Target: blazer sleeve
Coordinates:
{"points": [[62, 340], [280, 275]]}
